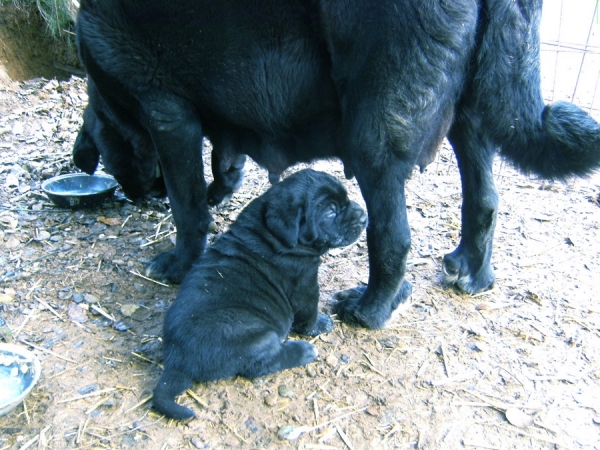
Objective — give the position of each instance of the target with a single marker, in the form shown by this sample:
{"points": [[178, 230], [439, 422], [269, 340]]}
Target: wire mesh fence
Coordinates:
{"points": [[570, 53]]}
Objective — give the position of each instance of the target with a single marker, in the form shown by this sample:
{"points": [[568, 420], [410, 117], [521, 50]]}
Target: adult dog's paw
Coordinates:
{"points": [[463, 276], [218, 194], [355, 307], [166, 267]]}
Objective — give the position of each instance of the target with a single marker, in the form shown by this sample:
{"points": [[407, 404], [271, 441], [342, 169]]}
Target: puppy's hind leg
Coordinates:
{"points": [[171, 384], [278, 356]]}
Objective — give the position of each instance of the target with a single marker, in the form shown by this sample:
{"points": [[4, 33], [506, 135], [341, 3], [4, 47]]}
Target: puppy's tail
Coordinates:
{"points": [[171, 384], [554, 141]]}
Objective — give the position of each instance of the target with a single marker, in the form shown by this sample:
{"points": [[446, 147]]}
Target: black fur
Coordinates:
{"points": [[378, 84], [129, 155], [255, 284]]}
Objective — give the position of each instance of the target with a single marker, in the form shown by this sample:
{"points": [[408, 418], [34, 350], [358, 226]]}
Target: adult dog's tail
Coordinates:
{"points": [[171, 384], [554, 141]]}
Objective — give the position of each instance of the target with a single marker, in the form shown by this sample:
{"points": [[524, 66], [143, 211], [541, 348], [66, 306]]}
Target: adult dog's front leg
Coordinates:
{"points": [[388, 239], [177, 134]]}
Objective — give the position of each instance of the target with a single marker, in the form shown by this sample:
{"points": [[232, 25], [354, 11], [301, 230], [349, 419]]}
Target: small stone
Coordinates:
{"points": [[4, 298], [372, 411], [65, 295], [42, 235], [78, 297], [76, 313], [310, 371], [285, 392], [89, 298], [331, 360], [518, 418], [11, 180], [128, 309], [121, 326], [87, 389], [291, 432], [12, 243], [271, 400], [18, 128], [197, 442]]}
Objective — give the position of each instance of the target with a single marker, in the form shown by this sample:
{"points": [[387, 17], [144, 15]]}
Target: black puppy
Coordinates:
{"points": [[254, 285]]}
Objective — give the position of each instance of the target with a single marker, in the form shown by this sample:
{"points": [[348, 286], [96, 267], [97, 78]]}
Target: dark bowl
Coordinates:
{"points": [[79, 190]]}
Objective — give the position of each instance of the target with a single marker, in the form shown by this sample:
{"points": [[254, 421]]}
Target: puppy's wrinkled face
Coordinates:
{"points": [[311, 211], [332, 219]]}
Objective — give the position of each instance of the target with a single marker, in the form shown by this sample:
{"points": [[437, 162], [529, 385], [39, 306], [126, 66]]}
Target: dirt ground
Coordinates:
{"points": [[515, 367], [26, 49]]}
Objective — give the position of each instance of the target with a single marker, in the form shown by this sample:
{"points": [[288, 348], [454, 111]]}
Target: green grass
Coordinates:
{"points": [[56, 13]]}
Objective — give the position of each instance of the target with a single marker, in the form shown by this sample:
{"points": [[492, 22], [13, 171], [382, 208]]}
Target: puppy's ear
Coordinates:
{"points": [[85, 153], [283, 220]]}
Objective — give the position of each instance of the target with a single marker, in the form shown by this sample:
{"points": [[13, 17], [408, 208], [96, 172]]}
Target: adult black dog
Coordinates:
{"points": [[257, 282], [377, 84]]}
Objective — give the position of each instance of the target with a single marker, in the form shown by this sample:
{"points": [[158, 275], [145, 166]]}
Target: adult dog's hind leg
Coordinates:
{"points": [[469, 267], [177, 135]]}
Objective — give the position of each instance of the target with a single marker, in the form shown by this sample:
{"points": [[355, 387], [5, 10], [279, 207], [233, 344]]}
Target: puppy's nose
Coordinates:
{"points": [[363, 218], [359, 215]]}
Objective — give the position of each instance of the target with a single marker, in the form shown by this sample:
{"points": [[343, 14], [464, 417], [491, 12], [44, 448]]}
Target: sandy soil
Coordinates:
{"points": [[515, 367]]}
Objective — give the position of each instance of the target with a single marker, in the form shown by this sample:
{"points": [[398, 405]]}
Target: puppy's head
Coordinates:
{"points": [[126, 152], [311, 209]]}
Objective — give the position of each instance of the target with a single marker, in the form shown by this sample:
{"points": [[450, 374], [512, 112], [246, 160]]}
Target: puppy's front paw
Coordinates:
{"points": [[298, 353]]}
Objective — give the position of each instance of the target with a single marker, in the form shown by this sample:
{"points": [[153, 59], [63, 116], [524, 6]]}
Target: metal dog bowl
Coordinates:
{"points": [[19, 372], [79, 190]]}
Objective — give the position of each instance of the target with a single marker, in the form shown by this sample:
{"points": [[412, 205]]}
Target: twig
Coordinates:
{"points": [[140, 403], [42, 349], [25, 320], [146, 359], [446, 365], [48, 307], [477, 444], [102, 312], [162, 238], [91, 394], [29, 443], [81, 431], [344, 437], [198, 399], [456, 379], [96, 405], [304, 429], [537, 437], [137, 274], [234, 432]]}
